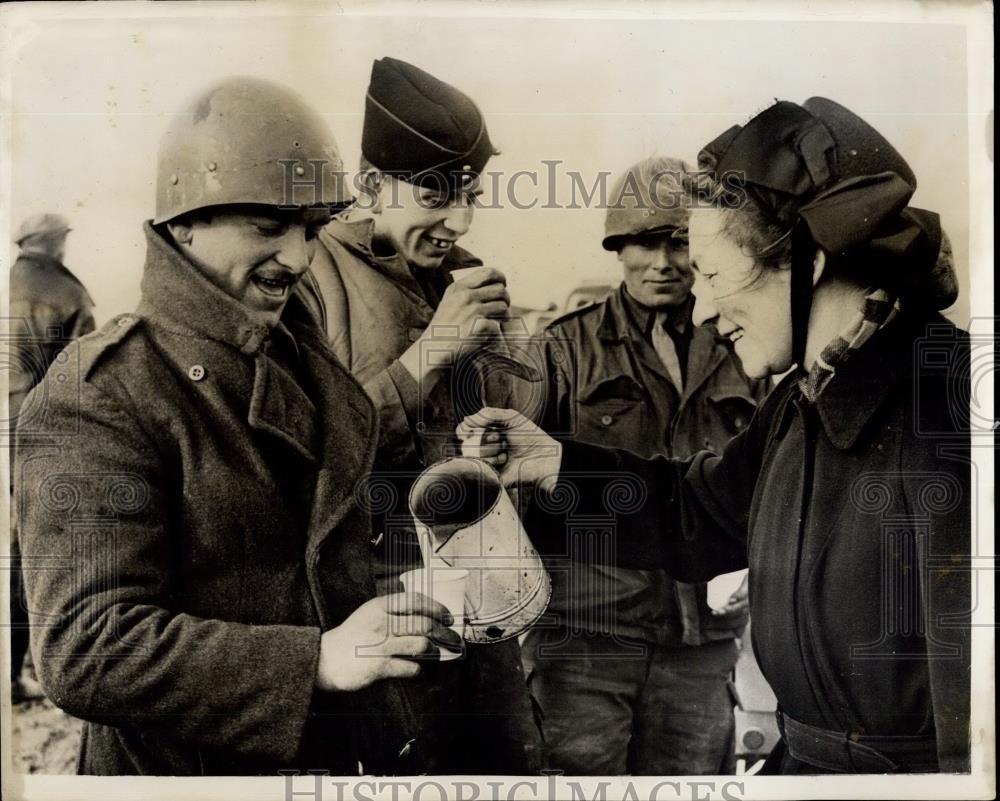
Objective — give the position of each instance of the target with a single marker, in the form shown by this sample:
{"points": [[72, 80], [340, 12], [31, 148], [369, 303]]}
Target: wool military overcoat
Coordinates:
{"points": [[48, 308], [190, 526]]}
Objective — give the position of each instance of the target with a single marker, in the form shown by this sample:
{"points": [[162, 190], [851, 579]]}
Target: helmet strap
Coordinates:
{"points": [[803, 252]]}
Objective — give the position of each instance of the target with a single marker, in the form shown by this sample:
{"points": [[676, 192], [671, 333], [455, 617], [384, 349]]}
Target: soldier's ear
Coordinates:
{"points": [[182, 231], [370, 185]]}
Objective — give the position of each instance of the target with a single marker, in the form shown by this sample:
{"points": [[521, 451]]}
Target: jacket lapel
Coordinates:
{"points": [[280, 407], [862, 384], [619, 349], [346, 441]]}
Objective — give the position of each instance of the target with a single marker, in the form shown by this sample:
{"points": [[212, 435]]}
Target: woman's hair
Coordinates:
{"points": [[767, 242]]}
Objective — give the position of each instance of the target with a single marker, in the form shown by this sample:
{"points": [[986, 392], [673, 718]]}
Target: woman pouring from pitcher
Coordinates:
{"points": [[848, 495]]}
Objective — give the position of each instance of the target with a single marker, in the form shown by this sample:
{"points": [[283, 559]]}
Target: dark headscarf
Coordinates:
{"points": [[830, 179]]}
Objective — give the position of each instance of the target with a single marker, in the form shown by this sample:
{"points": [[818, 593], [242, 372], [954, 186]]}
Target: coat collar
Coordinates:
{"points": [[622, 317], [644, 318], [863, 384], [356, 232], [707, 352], [176, 296], [43, 261]]}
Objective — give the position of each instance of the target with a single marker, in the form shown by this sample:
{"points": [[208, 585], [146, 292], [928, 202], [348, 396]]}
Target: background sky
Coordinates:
{"points": [[90, 98]]}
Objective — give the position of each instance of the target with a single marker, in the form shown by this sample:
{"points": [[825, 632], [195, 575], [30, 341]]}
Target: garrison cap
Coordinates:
{"points": [[42, 225], [421, 129]]}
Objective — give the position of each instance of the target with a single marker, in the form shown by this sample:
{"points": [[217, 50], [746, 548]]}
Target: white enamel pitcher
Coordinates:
{"points": [[466, 519]]}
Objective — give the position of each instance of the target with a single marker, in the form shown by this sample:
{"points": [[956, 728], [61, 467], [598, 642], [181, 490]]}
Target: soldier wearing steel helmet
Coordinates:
{"points": [[49, 307], [633, 676], [218, 614]]}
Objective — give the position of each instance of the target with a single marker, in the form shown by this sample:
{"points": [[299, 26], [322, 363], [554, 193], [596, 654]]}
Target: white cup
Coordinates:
{"points": [[446, 585], [461, 272]]}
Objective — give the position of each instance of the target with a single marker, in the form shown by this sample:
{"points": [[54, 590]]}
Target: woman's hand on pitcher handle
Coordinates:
{"points": [[515, 447]]}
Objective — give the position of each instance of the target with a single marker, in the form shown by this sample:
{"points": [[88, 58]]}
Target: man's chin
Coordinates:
{"points": [[662, 301], [426, 262]]}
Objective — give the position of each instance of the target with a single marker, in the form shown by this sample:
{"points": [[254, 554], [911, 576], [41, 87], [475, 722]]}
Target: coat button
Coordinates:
{"points": [[124, 321], [607, 420], [196, 372]]}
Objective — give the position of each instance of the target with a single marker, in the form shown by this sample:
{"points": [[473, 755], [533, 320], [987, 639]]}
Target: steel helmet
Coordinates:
{"points": [[247, 140], [649, 198]]}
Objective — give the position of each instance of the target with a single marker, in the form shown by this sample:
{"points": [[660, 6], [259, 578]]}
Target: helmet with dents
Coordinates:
{"points": [[651, 197], [247, 141]]}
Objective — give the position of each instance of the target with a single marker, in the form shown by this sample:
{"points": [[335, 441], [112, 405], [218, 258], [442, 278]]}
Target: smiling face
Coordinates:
{"points": [[753, 310], [419, 223], [253, 254], [657, 270]]}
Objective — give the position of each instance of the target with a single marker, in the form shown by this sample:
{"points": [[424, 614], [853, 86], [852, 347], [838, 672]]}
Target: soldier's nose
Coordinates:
{"points": [[459, 219], [295, 251]]}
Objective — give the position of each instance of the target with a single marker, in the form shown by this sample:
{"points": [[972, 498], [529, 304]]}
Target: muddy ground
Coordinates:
{"points": [[44, 739]]}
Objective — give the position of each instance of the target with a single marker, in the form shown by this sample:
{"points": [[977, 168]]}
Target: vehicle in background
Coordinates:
{"points": [[585, 294], [527, 321]]}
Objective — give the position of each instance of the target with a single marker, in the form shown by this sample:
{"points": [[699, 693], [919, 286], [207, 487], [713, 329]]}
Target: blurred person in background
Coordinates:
{"points": [[49, 308]]}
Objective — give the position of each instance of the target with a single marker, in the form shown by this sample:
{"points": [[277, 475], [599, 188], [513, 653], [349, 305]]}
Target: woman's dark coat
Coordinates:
{"points": [[853, 515]]}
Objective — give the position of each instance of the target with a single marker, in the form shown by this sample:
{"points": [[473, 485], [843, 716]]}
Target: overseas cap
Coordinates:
{"points": [[647, 199], [42, 225], [247, 140], [421, 129]]}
